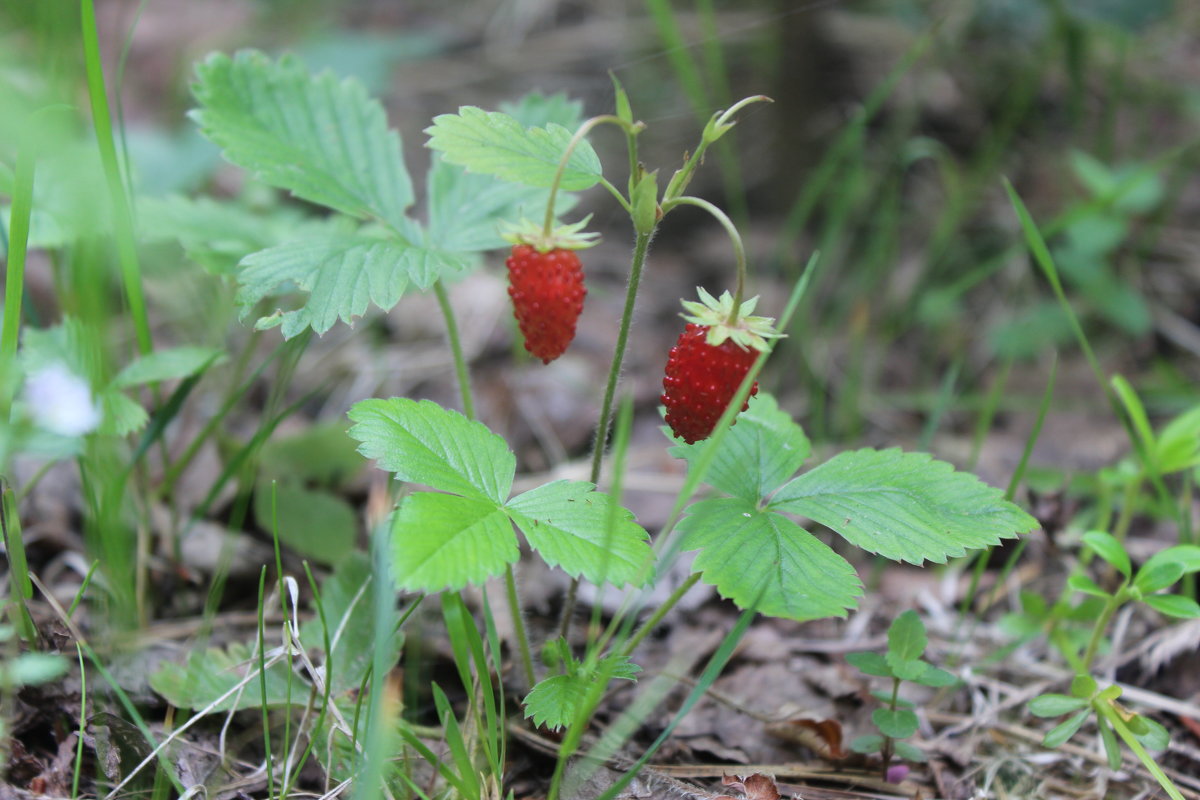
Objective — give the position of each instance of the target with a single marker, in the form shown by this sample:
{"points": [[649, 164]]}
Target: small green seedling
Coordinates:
{"points": [[902, 662], [1140, 733]]}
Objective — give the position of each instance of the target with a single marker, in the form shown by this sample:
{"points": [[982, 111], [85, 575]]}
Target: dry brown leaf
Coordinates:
{"points": [[755, 787], [823, 737]]}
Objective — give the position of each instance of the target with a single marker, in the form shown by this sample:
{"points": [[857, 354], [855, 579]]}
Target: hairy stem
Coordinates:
{"points": [[460, 361]]}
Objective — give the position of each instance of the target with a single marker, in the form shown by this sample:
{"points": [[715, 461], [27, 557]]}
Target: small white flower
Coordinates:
{"points": [[60, 401]]}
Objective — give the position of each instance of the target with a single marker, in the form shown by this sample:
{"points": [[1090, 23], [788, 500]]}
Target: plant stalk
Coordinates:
{"points": [[460, 361]]}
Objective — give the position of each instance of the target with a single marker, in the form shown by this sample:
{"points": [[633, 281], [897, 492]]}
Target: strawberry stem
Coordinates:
{"points": [[629, 128], [464, 388], [739, 250]]}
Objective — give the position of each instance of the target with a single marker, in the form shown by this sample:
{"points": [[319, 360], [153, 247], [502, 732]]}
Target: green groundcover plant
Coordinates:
{"points": [[456, 523]]}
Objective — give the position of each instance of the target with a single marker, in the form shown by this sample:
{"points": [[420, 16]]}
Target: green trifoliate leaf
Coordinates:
{"points": [[554, 702], [467, 210], [343, 275], [163, 365], [903, 506], [758, 454], [1066, 729], [217, 235], [424, 443], [870, 664], [765, 560], [442, 541], [538, 110], [1055, 705], [322, 139], [1107, 547], [906, 638], [231, 674], [898, 724], [567, 523], [493, 143], [1173, 605]]}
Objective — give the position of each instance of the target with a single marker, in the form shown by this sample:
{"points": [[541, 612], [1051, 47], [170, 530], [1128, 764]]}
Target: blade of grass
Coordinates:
{"points": [[14, 280], [131, 273]]}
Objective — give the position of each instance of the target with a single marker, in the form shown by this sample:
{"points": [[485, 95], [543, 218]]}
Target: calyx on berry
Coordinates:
{"points": [[564, 237], [718, 315]]}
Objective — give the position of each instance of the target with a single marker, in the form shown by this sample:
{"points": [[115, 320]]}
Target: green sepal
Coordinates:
{"points": [[748, 332], [564, 237]]}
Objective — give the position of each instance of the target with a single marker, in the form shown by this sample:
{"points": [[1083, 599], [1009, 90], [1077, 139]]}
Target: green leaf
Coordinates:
{"points": [[538, 110], [898, 724], [1112, 747], [1187, 556], [554, 701], [567, 523], [213, 673], [466, 210], [322, 454], [1084, 584], [765, 560], [885, 696], [1155, 736], [121, 414], [1055, 705], [31, 669], [342, 275], [322, 139], [315, 524], [424, 443], [935, 677], [1066, 729], [168, 364], [347, 598], [1110, 549], [1178, 444], [493, 143], [906, 638], [903, 506], [866, 744], [870, 664], [442, 541], [910, 752], [758, 454], [1173, 605], [1157, 575]]}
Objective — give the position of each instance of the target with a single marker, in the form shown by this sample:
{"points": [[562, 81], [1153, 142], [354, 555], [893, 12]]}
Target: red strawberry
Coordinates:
{"points": [[708, 363], [547, 292]]}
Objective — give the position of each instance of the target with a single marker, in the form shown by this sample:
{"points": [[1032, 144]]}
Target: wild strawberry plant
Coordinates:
{"points": [[327, 142]]}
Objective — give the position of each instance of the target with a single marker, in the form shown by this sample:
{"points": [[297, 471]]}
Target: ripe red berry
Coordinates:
{"points": [[709, 362], [547, 292], [701, 380]]}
